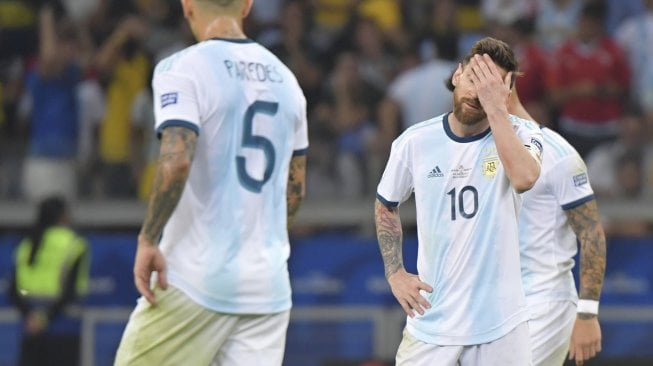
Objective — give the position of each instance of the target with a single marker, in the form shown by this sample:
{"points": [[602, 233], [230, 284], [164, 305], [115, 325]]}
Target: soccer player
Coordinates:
{"points": [[230, 178], [466, 305], [556, 212]]}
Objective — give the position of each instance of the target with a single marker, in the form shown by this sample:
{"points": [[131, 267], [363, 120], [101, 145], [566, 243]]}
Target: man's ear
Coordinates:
{"points": [[187, 6], [456, 75], [247, 6]]}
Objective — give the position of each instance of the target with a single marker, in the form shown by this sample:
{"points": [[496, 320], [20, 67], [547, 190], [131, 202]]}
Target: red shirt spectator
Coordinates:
{"points": [[599, 66]]}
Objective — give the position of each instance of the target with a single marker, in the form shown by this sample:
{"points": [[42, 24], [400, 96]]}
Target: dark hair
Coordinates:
{"points": [[50, 213], [499, 52], [596, 10]]}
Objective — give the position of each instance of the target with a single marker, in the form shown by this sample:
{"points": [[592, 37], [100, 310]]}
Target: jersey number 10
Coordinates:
{"points": [[461, 202]]}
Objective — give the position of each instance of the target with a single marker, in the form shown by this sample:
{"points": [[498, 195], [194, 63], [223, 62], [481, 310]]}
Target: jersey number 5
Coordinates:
{"points": [[256, 142], [461, 202]]}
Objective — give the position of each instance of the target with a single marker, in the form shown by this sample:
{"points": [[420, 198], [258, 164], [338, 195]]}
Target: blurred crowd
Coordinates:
{"points": [[76, 114]]}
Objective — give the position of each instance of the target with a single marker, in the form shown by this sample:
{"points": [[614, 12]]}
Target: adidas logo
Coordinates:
{"points": [[435, 172]]}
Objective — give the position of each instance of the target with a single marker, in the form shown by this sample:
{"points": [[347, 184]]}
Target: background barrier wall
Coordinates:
{"points": [[343, 308]]}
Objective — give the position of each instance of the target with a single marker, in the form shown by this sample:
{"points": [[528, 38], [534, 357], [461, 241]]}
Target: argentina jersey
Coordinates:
{"points": [[226, 244], [467, 229], [548, 243]]}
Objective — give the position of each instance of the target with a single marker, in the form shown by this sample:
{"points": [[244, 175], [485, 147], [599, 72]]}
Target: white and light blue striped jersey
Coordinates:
{"points": [[467, 211], [548, 243], [226, 244]]}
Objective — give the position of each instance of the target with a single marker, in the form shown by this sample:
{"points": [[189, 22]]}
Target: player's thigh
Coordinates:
{"points": [[256, 340], [176, 331], [513, 349], [413, 352], [550, 327]]}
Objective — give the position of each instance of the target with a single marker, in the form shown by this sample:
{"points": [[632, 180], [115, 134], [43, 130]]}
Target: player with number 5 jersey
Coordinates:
{"points": [[232, 122], [466, 305]]}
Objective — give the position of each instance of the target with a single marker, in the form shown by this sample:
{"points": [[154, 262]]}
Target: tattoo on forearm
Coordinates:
{"points": [[586, 223], [389, 235], [585, 316], [177, 149], [296, 187]]}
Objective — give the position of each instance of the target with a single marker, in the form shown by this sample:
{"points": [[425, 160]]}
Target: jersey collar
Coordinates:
{"points": [[447, 130], [233, 40]]}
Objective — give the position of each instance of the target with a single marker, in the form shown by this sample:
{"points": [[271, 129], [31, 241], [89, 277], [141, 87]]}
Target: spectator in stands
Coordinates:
{"points": [[589, 81], [352, 100], [295, 46], [51, 273], [620, 10], [556, 22], [534, 65], [387, 15], [144, 141], [11, 145], [630, 180], [377, 59], [50, 166], [632, 147], [441, 34], [507, 11], [123, 63], [329, 18], [635, 35], [415, 95]]}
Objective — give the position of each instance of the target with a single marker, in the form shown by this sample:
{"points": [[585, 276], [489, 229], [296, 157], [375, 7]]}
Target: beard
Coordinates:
{"points": [[465, 114]]}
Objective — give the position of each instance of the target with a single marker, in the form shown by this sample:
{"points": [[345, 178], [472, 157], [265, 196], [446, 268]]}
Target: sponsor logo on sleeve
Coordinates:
{"points": [[580, 179], [168, 99]]}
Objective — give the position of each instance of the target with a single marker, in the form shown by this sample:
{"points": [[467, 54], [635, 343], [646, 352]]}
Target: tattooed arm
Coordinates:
{"points": [[405, 286], [175, 158], [296, 186], [586, 224]]}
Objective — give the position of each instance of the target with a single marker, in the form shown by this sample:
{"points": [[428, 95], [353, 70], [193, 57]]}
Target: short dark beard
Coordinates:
{"points": [[468, 119]]}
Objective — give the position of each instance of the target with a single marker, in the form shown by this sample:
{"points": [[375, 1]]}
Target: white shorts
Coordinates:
{"points": [[551, 325], [180, 332], [513, 349]]}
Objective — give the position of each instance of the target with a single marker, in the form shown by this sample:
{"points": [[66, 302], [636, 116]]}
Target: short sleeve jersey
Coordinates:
{"points": [[548, 243], [226, 243], [467, 229]]}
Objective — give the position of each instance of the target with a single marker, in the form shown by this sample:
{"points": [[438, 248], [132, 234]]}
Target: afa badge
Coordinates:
{"points": [[490, 166]]}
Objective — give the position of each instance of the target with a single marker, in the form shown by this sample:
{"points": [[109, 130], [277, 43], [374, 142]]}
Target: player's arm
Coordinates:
{"points": [[296, 186], [586, 224], [521, 167], [405, 286], [175, 158]]}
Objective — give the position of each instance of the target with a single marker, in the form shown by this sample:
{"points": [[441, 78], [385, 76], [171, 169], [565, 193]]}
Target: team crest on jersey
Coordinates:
{"points": [[490, 166]]}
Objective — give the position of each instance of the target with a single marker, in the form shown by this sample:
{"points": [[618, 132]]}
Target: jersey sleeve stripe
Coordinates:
{"points": [[577, 202], [300, 152], [177, 123], [386, 202]]}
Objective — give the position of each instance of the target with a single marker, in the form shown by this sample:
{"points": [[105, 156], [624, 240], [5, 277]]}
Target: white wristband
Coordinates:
{"points": [[587, 307]]}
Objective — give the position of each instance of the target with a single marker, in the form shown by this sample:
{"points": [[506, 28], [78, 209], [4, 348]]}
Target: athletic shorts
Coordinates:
{"points": [[178, 331], [513, 349], [551, 325]]}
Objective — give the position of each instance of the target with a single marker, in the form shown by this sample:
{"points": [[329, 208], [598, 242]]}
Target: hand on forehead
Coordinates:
{"points": [[486, 61]]}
